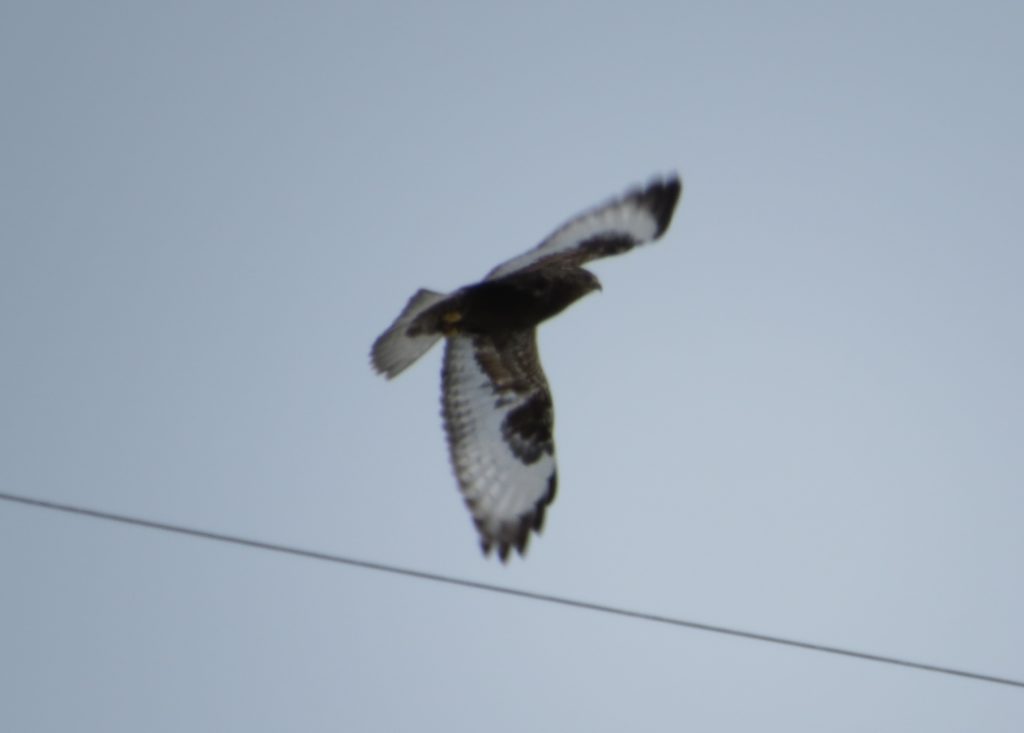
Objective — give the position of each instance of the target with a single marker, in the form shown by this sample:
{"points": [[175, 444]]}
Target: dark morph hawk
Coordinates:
{"points": [[495, 400]]}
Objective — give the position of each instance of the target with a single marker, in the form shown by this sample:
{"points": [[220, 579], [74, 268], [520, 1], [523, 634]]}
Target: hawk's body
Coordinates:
{"points": [[497, 407], [510, 303]]}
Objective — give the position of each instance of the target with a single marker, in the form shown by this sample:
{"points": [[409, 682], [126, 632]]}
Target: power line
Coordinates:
{"points": [[491, 588]]}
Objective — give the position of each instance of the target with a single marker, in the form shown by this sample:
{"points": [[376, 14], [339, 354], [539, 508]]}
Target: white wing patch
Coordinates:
{"points": [[640, 216], [498, 417]]}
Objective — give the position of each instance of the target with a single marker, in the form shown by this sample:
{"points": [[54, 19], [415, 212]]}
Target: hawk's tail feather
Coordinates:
{"points": [[395, 350]]}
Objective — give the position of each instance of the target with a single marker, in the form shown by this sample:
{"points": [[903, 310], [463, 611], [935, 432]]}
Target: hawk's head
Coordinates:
{"points": [[590, 281], [563, 287], [583, 281]]}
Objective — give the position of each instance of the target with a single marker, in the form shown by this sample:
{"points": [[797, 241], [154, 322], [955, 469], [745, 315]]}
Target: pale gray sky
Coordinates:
{"points": [[800, 413]]}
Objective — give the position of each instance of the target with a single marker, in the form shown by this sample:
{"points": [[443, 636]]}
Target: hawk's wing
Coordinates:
{"points": [[640, 216], [499, 419]]}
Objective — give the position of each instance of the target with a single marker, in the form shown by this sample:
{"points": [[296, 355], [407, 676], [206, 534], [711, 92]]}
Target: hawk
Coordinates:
{"points": [[496, 403]]}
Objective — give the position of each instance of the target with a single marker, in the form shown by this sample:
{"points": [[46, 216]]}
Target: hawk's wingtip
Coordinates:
{"points": [[504, 549], [663, 195]]}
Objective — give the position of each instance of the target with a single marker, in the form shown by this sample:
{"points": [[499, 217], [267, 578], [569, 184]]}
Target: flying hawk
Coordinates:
{"points": [[495, 400]]}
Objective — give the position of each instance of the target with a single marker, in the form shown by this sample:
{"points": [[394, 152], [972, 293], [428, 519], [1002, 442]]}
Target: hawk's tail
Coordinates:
{"points": [[395, 350]]}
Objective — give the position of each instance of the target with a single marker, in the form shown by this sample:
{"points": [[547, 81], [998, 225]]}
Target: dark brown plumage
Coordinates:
{"points": [[497, 407]]}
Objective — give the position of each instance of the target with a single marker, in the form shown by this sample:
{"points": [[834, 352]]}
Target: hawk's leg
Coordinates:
{"points": [[449, 322]]}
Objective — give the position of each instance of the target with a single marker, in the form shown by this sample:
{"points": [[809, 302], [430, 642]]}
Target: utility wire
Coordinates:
{"points": [[491, 588]]}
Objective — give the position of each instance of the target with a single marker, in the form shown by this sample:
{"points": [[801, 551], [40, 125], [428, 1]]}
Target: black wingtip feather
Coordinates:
{"points": [[516, 535], [661, 198]]}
